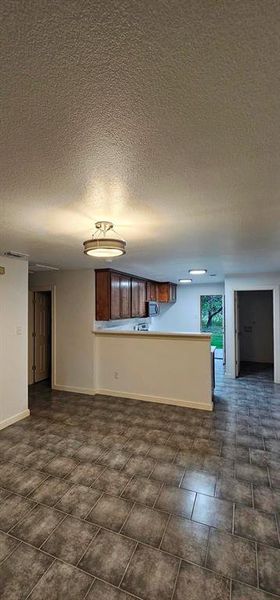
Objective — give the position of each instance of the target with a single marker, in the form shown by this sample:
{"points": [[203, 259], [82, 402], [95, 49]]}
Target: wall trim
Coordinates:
{"points": [[15, 418], [75, 390], [156, 399], [133, 396]]}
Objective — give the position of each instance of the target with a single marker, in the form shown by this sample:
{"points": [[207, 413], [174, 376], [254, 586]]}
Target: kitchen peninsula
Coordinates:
{"points": [[163, 367]]}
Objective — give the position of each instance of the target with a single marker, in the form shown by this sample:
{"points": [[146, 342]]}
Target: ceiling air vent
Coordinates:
{"points": [[14, 254]]}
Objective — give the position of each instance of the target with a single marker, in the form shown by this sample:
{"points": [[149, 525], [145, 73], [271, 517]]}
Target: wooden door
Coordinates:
{"points": [[125, 300], [42, 331], [115, 296]]}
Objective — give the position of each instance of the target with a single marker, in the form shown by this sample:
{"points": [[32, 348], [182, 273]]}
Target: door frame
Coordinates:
{"points": [[276, 333], [52, 289]]}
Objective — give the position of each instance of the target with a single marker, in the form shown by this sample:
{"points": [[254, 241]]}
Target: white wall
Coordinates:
{"points": [[256, 326], [243, 283], [13, 341], [169, 369], [74, 317], [184, 315]]}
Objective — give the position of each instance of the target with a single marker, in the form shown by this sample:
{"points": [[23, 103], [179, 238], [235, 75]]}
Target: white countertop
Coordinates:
{"points": [[183, 334]]}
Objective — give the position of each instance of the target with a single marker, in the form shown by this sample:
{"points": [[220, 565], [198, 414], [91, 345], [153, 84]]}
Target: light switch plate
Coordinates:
{"points": [[2, 270]]}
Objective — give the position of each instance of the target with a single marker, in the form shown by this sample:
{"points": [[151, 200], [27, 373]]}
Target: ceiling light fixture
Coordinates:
{"points": [[185, 280], [197, 271], [101, 246]]}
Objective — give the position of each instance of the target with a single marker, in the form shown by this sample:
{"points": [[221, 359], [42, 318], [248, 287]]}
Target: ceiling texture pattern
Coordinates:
{"points": [[161, 116]]}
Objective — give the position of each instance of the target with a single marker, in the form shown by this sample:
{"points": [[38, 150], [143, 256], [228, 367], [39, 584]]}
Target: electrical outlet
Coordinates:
{"points": [[116, 375]]}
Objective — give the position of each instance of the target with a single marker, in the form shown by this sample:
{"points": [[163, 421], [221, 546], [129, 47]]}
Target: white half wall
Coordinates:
{"points": [[168, 368], [184, 315], [266, 281], [13, 341], [73, 367]]}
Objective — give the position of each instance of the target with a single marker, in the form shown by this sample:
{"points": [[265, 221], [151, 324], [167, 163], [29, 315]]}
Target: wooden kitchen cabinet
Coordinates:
{"points": [[138, 297], [167, 292], [122, 296], [113, 295], [152, 291]]}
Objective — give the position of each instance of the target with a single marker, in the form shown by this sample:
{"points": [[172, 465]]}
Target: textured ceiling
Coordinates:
{"points": [[162, 116]]}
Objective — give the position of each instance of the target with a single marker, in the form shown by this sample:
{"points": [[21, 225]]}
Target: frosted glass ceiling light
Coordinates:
{"points": [[197, 271], [101, 246]]}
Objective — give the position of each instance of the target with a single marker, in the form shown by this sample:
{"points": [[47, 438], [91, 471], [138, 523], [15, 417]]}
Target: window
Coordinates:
{"points": [[211, 318]]}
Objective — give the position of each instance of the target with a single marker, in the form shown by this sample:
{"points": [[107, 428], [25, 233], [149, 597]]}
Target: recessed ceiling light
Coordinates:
{"points": [[185, 280], [198, 271]]}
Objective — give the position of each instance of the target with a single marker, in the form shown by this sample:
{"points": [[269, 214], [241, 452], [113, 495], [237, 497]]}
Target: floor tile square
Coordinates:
{"points": [[266, 499], [112, 481], [50, 491], [256, 525], [70, 540], [168, 473], [144, 491], [151, 574], [140, 465], [79, 500], [115, 459], [232, 557], [110, 512], [21, 572], [234, 490], [186, 539], [60, 466], [62, 581], [252, 473], [269, 571], [37, 526], [145, 525], [7, 545], [108, 556], [197, 481], [176, 500], [213, 511], [12, 509], [89, 453], [275, 477], [137, 447], [105, 591], [196, 583], [85, 473], [240, 591], [162, 452]]}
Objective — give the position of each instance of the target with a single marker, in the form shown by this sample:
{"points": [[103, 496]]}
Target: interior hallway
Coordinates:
{"points": [[121, 499]]}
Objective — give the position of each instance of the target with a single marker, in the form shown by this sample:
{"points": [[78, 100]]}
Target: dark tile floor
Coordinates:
{"points": [[113, 499]]}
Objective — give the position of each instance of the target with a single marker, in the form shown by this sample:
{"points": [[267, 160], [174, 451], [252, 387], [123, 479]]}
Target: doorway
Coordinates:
{"points": [[40, 337], [212, 321], [254, 340]]}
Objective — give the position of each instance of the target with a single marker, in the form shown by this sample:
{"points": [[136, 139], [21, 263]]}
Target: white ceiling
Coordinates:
{"points": [[162, 116]]}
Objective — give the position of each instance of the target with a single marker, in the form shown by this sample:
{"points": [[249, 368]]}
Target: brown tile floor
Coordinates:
{"points": [[113, 499]]}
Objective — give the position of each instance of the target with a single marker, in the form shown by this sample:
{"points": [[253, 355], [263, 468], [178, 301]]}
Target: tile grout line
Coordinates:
{"points": [[128, 564], [176, 579]]}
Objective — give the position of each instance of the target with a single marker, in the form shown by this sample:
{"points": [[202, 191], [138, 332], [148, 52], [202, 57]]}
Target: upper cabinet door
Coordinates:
{"points": [[134, 298], [125, 297], [167, 292], [115, 296], [152, 291], [142, 298]]}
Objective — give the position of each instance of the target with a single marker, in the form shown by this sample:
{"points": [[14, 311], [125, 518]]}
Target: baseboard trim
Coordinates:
{"points": [[156, 399], [144, 397], [14, 419], [75, 390]]}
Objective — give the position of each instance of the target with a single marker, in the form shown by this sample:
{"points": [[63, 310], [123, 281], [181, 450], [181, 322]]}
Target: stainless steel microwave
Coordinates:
{"points": [[153, 309]]}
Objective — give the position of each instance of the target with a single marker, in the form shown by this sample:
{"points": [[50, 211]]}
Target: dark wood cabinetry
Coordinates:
{"points": [[167, 292], [138, 297], [122, 296]]}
